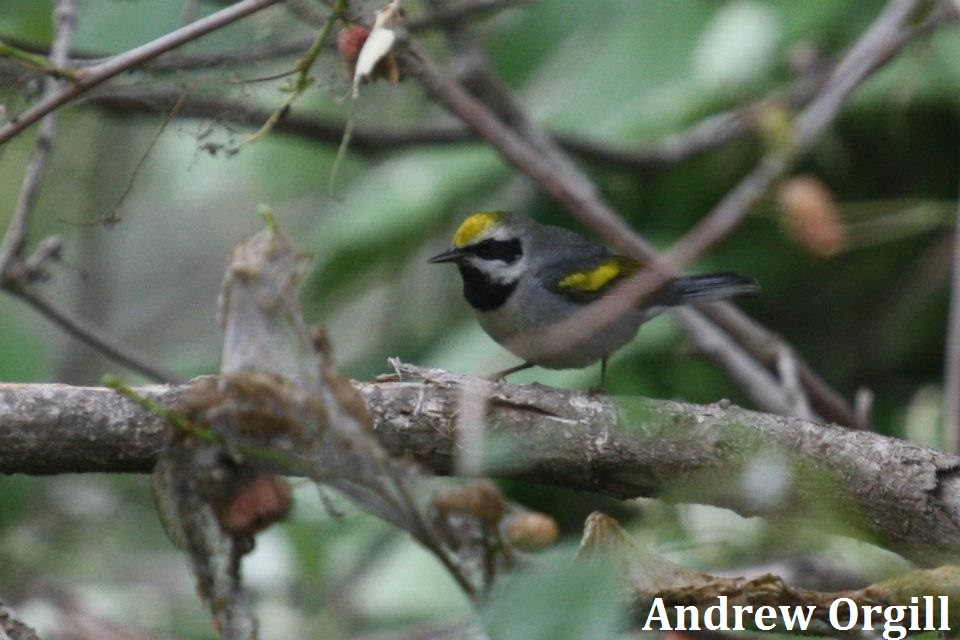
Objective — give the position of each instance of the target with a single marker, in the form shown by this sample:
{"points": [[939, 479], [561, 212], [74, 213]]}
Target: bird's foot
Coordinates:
{"points": [[500, 375]]}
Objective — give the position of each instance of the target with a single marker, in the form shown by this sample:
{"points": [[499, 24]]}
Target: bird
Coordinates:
{"points": [[520, 277]]}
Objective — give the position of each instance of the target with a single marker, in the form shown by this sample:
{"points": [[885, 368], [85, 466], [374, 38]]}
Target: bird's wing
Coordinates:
{"points": [[583, 279]]}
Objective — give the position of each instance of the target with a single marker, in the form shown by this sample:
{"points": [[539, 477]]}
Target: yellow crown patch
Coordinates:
{"points": [[600, 276], [474, 226]]}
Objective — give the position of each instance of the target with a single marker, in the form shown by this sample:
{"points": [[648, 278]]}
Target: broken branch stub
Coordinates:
{"points": [[214, 493], [277, 408]]}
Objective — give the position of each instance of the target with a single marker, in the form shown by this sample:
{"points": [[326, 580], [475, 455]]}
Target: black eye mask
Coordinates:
{"points": [[507, 251]]}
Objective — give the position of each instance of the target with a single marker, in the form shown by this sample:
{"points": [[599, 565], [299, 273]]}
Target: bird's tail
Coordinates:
{"points": [[706, 288]]}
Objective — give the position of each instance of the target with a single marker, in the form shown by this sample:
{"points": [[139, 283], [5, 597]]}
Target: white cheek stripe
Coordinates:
{"points": [[499, 272]]}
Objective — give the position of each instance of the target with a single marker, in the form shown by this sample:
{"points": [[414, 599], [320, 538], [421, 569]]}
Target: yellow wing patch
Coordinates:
{"points": [[474, 226], [600, 276]]}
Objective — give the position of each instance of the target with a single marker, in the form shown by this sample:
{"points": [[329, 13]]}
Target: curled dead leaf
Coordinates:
{"points": [[374, 59]]}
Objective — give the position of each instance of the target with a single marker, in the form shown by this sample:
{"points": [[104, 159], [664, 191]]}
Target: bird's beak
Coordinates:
{"points": [[453, 255]]}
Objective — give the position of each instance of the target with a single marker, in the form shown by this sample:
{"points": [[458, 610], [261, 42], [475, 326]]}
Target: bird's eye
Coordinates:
{"points": [[504, 250]]}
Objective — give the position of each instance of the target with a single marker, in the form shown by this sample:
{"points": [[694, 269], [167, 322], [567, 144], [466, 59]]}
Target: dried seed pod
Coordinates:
{"points": [[531, 531], [481, 499], [811, 215]]}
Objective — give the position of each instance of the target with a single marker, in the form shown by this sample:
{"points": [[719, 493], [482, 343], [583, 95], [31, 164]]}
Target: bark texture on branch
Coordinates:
{"points": [[902, 496]]}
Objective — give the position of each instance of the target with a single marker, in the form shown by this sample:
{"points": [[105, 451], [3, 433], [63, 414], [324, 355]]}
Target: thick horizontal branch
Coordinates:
{"points": [[902, 496]]}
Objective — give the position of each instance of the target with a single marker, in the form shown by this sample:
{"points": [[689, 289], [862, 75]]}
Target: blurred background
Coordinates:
{"points": [[149, 207]]}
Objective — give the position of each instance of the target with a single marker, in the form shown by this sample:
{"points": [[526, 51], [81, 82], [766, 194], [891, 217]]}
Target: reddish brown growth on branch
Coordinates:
{"points": [[263, 501]]}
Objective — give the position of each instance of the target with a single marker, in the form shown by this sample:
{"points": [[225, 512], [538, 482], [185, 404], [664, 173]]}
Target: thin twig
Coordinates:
{"points": [[34, 62], [482, 80], [885, 36], [461, 12], [288, 47], [951, 367], [111, 216], [580, 199], [750, 375], [96, 338], [14, 269], [92, 76], [64, 20], [675, 148], [189, 61], [301, 82], [427, 534], [764, 345]]}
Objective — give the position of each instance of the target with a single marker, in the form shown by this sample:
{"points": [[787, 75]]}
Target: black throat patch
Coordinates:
{"points": [[481, 292]]}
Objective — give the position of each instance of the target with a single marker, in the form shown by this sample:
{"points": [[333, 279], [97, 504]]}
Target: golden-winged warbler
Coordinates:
{"points": [[521, 277]]}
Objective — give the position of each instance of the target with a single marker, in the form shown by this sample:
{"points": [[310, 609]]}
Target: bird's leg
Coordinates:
{"points": [[601, 388], [500, 375]]}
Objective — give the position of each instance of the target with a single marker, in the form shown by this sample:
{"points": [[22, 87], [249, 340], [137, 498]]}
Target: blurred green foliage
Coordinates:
{"points": [[620, 72]]}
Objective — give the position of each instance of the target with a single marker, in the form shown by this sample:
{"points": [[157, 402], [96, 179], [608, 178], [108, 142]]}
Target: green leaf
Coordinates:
{"points": [[557, 601]]}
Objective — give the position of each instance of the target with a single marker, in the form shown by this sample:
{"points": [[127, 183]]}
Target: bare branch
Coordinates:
{"points": [[886, 36], [17, 271], [477, 74], [11, 627], [64, 18], [293, 46], [677, 147], [461, 12], [752, 377], [92, 76], [764, 345], [579, 197], [94, 337], [14, 275], [902, 496]]}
